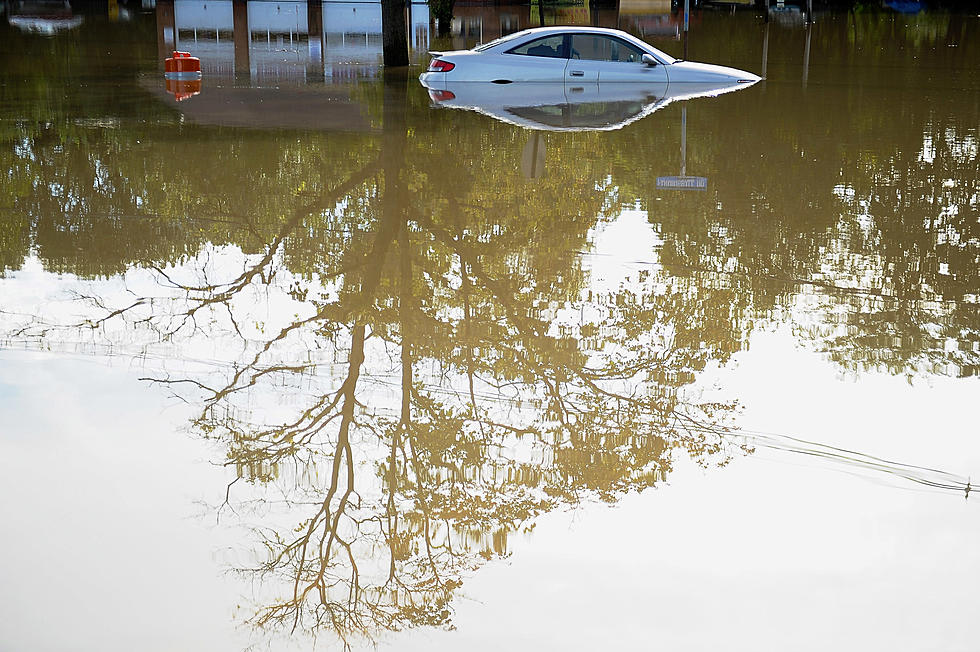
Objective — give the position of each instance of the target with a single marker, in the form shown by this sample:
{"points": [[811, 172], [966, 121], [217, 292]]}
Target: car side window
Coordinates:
{"points": [[550, 46], [595, 47]]}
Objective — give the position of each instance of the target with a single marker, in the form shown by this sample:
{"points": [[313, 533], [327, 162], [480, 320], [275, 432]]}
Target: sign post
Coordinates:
{"points": [[683, 182]]}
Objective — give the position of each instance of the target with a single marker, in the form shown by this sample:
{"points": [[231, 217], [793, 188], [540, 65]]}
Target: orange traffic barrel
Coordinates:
{"points": [[182, 66]]}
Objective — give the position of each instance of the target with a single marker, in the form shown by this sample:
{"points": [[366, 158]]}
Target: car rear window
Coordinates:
{"points": [[497, 41]]}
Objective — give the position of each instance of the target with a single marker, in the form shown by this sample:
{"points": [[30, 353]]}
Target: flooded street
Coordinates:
{"points": [[306, 355]]}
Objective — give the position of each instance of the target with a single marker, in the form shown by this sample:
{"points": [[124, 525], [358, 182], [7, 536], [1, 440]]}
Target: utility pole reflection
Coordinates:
{"points": [[806, 54]]}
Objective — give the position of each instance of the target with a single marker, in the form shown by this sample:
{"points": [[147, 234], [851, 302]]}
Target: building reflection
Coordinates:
{"points": [[291, 41], [324, 41], [480, 23]]}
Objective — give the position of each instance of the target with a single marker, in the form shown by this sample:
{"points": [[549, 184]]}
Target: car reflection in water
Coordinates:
{"points": [[46, 17], [572, 106]]}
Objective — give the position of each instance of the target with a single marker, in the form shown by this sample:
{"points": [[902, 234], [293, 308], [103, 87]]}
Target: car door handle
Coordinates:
{"points": [[576, 73]]}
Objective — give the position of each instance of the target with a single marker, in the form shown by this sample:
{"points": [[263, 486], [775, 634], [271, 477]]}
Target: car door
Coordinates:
{"points": [[540, 60], [603, 58]]}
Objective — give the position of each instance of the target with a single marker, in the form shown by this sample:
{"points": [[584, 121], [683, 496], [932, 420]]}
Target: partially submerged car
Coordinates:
{"points": [[572, 54], [571, 106]]}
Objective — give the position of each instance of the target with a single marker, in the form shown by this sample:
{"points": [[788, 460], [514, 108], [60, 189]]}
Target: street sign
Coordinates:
{"points": [[682, 183]]}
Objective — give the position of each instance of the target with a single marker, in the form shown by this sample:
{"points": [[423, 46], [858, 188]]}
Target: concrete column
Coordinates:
{"points": [[166, 30], [314, 27], [243, 68]]}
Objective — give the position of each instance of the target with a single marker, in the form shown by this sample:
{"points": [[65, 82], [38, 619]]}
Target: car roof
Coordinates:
{"points": [[537, 32], [573, 28]]}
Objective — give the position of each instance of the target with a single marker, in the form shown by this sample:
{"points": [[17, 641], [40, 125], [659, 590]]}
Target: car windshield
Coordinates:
{"points": [[498, 41]]}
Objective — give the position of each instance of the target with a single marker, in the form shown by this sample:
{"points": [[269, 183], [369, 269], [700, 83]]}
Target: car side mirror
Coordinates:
{"points": [[649, 60]]}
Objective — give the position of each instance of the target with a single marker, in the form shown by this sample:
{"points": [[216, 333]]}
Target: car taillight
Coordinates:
{"points": [[438, 65], [441, 96]]}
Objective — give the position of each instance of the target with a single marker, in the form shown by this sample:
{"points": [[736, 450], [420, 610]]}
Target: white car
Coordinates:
{"points": [[572, 106], [575, 54]]}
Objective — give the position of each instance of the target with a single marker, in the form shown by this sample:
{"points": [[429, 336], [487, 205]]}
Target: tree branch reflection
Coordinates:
{"points": [[432, 364], [466, 401]]}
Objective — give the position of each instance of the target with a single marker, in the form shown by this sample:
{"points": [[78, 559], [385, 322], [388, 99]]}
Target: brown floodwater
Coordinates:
{"points": [[303, 356]]}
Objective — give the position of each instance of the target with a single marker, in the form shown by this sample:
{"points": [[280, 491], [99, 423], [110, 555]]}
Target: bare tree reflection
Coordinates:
{"points": [[476, 385], [434, 364]]}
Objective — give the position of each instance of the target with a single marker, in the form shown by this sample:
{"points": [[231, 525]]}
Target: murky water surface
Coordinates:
{"points": [[301, 354]]}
